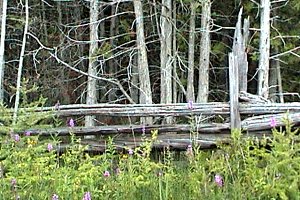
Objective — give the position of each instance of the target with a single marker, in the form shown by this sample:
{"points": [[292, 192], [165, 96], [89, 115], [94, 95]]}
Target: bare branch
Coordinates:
{"points": [[115, 82], [286, 52]]}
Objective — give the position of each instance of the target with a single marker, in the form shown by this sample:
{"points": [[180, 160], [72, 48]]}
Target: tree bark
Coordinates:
{"points": [[190, 93], [166, 54], [2, 47], [264, 50], [91, 96], [175, 75], [203, 85], [143, 68], [20, 68]]}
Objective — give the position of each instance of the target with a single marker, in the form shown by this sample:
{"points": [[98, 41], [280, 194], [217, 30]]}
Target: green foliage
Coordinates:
{"points": [[105, 50], [28, 116], [248, 168]]}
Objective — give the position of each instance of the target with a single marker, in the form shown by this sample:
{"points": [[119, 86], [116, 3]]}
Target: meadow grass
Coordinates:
{"points": [[247, 168]]}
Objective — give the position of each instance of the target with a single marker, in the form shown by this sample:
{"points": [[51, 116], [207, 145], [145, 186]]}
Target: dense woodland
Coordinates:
{"points": [[133, 51]]}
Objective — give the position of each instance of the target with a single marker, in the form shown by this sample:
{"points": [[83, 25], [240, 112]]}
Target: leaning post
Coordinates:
{"points": [[235, 119]]}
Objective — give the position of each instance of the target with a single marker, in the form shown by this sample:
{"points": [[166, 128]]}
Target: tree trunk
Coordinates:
{"points": [[134, 78], [166, 54], [91, 96], [190, 93], [20, 68], [112, 66], [2, 47], [203, 85], [143, 68], [264, 50], [174, 54]]}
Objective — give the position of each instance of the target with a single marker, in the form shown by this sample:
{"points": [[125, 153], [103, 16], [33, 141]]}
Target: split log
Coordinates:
{"points": [[264, 122], [129, 129], [170, 141], [181, 109]]}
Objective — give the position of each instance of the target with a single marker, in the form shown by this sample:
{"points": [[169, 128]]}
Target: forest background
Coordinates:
{"points": [[133, 51]]}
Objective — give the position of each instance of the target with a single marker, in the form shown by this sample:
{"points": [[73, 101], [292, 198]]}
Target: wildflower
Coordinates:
{"points": [[55, 197], [190, 104], [49, 147], [143, 129], [87, 196], [273, 122], [71, 123], [13, 184], [130, 152], [27, 133], [219, 180], [17, 137], [106, 174]]}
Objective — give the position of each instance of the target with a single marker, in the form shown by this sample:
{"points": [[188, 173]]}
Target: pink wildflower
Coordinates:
{"points": [[190, 104], [273, 122], [106, 174], [219, 180], [71, 123], [49, 147]]}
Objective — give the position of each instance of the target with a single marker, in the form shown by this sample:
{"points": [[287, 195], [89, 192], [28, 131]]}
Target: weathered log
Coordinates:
{"points": [[263, 122], [128, 129], [249, 124], [155, 110], [171, 141]]}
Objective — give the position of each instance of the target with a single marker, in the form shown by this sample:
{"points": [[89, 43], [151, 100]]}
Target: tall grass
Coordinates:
{"points": [[246, 168]]}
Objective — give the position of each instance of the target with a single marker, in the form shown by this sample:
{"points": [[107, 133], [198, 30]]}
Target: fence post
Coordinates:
{"points": [[235, 119]]}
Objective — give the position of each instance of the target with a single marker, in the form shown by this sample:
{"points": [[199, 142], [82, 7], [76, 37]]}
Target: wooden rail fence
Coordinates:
{"points": [[246, 112]]}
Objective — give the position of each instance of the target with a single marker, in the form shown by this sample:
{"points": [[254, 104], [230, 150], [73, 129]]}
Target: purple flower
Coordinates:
{"points": [[106, 174], [71, 123], [17, 137], [219, 180], [130, 152], [49, 147], [273, 122], [143, 129], [55, 197], [87, 196], [27, 133], [13, 182], [190, 104]]}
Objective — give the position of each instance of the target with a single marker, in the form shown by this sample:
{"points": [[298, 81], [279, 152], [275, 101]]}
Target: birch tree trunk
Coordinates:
{"points": [[2, 47], [143, 68], [264, 50], [203, 85], [20, 68], [133, 77], [190, 93], [166, 54], [91, 96], [174, 55]]}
